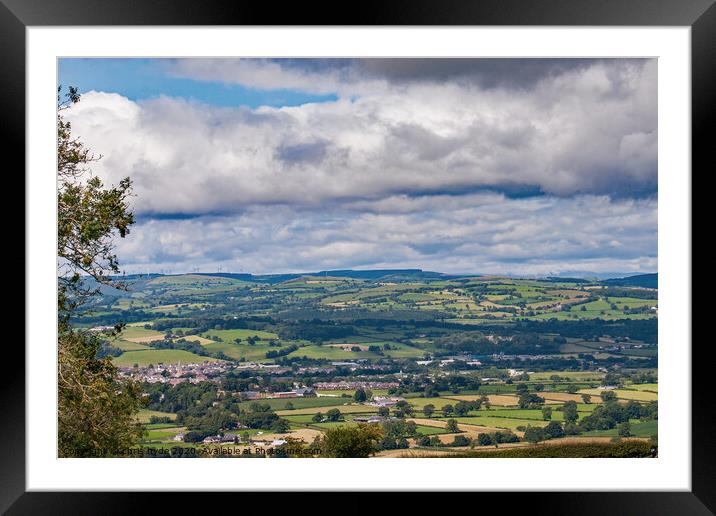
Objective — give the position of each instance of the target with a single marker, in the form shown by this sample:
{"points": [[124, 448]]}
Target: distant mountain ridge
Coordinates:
{"points": [[371, 274], [638, 280]]}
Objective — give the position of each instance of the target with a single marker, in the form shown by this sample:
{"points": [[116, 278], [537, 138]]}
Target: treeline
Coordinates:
{"points": [[638, 293], [191, 346], [275, 353], [517, 344]]}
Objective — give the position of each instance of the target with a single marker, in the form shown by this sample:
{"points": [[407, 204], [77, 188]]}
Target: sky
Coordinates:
{"points": [[528, 167]]}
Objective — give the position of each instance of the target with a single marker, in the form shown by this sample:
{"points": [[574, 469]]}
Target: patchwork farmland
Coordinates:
{"points": [[418, 363]]}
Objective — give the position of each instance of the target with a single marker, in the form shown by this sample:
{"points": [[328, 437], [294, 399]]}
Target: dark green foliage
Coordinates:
{"points": [[624, 449], [334, 414], [530, 400], [484, 439], [534, 434], [351, 441], [553, 430], [570, 411], [360, 396], [96, 411], [461, 440]]}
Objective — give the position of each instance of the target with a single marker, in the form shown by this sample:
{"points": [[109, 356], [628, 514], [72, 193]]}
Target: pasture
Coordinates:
{"points": [[144, 415], [623, 394], [159, 356]]}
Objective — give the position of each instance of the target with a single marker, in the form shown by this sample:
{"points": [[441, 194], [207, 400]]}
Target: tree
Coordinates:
{"points": [[624, 429], [547, 413], [280, 426], [402, 409], [452, 426], [360, 396], [586, 398], [608, 396], [447, 410], [317, 418], [96, 410], [428, 409], [633, 410], [529, 401], [553, 430], [570, 411], [484, 440], [460, 440], [334, 415], [571, 429], [351, 441], [533, 434], [383, 411], [462, 408], [430, 391]]}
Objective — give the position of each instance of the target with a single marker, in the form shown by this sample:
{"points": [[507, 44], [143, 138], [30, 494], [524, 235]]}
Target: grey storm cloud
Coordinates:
{"points": [[529, 166], [319, 75], [512, 73], [302, 152]]}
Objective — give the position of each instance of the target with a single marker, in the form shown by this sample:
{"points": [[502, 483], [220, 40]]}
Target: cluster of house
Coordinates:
{"points": [[371, 419], [232, 438], [360, 364], [315, 370], [502, 356], [347, 385], [269, 368], [384, 401], [446, 361], [174, 374], [97, 329], [298, 392]]}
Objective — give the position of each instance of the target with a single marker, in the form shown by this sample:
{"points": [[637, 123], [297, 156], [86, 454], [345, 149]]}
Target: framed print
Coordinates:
{"points": [[420, 249]]}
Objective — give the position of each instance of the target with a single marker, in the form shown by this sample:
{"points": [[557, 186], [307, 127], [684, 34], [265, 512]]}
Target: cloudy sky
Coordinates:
{"points": [[508, 166]]}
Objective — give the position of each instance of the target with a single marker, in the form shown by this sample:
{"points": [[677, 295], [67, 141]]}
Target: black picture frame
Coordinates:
{"points": [[700, 15]]}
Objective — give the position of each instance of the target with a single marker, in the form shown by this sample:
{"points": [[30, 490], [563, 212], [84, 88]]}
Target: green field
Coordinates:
{"points": [[232, 335], [638, 429], [624, 394], [650, 387], [331, 353], [158, 356], [571, 375], [299, 403], [500, 422], [132, 332], [125, 345], [145, 414]]}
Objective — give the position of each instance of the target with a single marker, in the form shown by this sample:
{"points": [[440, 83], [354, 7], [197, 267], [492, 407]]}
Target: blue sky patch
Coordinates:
{"points": [[139, 79]]}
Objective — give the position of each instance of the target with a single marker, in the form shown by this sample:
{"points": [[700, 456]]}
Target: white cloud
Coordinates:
{"points": [[522, 236], [409, 173], [587, 131]]}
